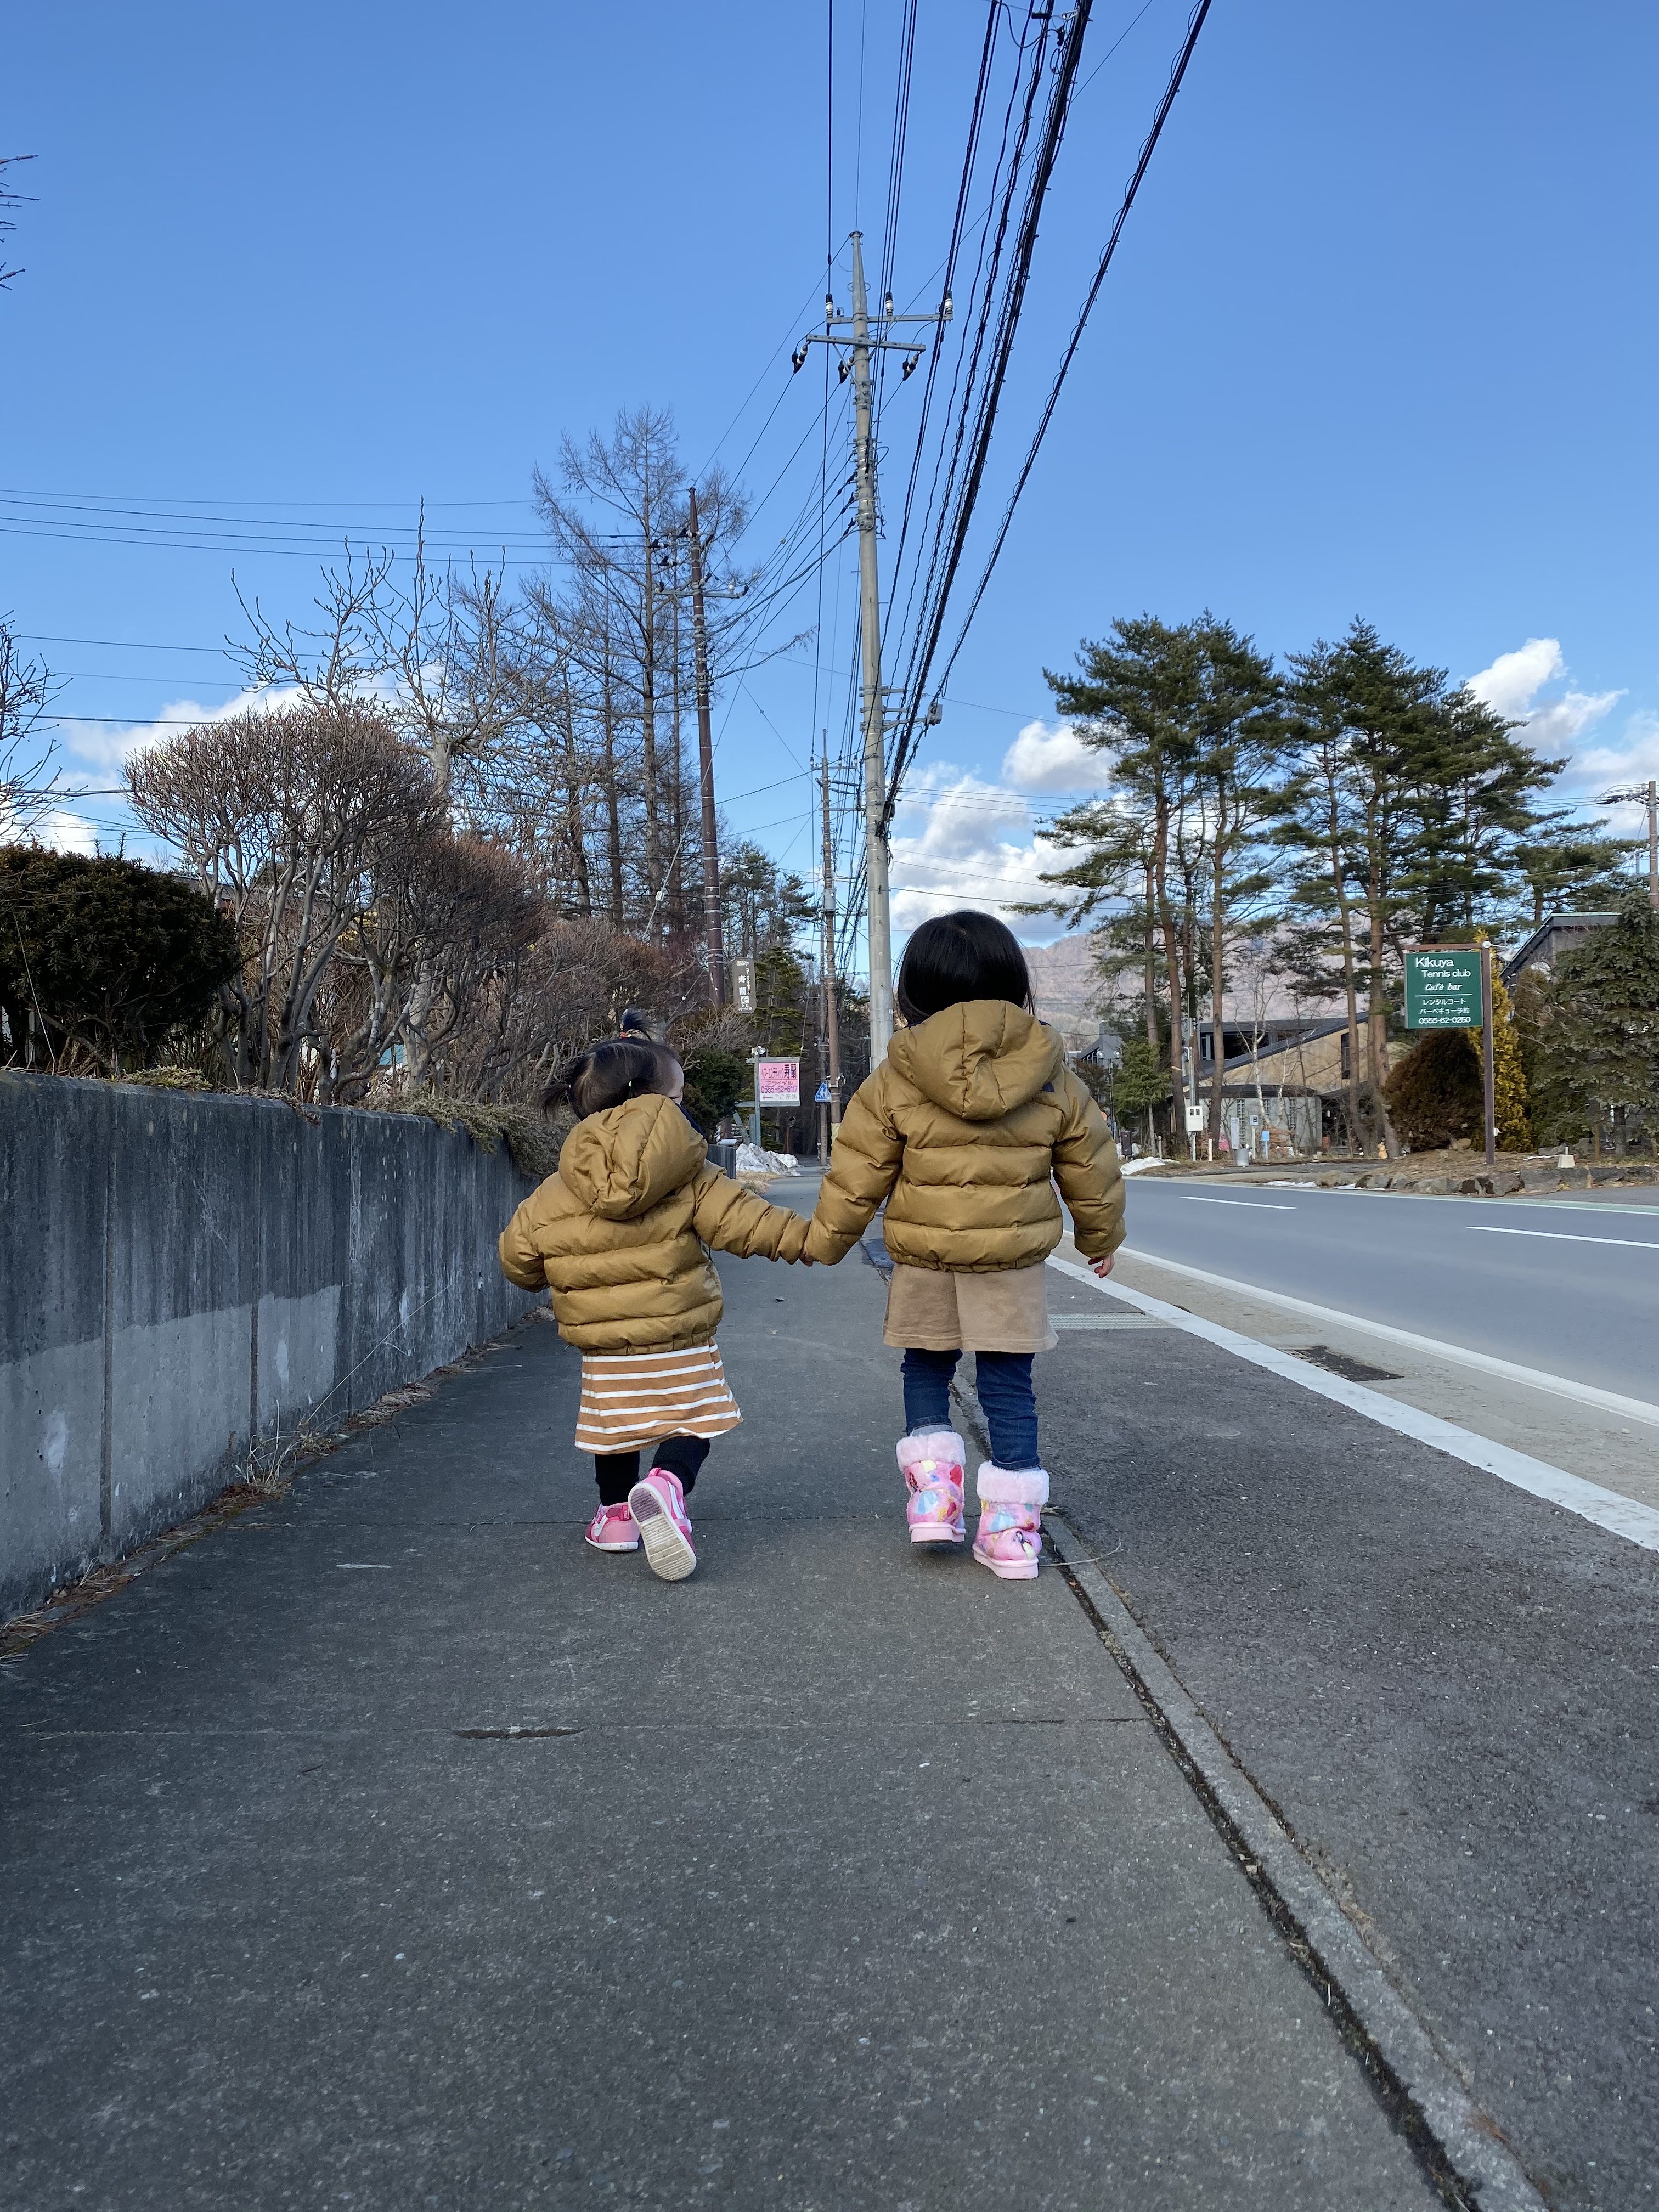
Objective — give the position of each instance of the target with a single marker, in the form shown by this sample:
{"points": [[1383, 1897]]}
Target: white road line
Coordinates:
{"points": [[1564, 1237], [1622, 1517], [1261, 1205], [1532, 1378]]}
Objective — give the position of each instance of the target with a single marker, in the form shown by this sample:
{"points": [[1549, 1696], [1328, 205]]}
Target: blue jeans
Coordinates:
{"points": [[1003, 1382]]}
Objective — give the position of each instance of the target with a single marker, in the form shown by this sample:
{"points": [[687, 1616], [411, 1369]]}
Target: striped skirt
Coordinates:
{"points": [[634, 1398]]}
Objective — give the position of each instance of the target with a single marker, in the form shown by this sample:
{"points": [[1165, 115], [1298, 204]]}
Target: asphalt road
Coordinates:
{"points": [[1570, 1290], [1449, 1691]]}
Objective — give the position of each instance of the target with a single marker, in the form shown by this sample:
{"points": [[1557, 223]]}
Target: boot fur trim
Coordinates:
{"points": [[944, 1444], [997, 1486]]}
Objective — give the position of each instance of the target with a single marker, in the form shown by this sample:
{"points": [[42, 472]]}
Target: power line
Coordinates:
{"points": [[165, 499], [909, 738], [1012, 300]]}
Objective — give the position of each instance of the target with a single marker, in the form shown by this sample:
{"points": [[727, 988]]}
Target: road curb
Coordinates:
{"points": [[1460, 2145]]}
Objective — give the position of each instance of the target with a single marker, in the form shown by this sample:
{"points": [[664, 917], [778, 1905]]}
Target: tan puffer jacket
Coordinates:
{"points": [[961, 1130], [622, 1232]]}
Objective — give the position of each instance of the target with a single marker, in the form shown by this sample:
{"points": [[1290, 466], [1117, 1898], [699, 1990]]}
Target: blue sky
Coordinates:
{"points": [[1380, 339]]}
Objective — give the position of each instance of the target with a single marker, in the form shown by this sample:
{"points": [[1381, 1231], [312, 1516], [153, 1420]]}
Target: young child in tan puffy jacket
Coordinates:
{"points": [[622, 1235], [964, 1130]]}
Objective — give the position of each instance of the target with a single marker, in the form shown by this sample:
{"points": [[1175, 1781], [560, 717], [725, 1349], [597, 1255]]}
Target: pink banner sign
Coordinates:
{"points": [[778, 1081]]}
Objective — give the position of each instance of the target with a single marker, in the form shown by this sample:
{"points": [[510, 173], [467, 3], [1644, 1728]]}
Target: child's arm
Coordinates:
{"points": [[863, 1168], [733, 1219], [521, 1255], [1086, 1168]]}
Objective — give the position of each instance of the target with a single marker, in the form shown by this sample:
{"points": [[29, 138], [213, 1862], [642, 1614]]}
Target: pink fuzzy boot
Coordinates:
{"points": [[931, 1461], [1009, 1538]]}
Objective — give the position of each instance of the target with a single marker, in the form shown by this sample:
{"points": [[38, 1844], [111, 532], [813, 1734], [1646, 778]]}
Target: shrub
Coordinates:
{"points": [[714, 1081], [1434, 1094], [101, 959], [1509, 1101]]}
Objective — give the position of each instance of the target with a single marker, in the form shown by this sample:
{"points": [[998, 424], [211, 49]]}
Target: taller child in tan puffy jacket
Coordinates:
{"points": [[964, 1130], [622, 1235]]}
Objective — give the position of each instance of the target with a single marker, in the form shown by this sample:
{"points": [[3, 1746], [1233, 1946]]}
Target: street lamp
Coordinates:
{"points": [[1642, 794]]}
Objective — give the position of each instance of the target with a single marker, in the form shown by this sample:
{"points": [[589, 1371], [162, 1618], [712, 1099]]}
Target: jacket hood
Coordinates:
{"points": [[622, 1162], [980, 1060]]}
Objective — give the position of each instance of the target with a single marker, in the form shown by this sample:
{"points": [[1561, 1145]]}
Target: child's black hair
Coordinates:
{"points": [[606, 1075], [965, 955]]}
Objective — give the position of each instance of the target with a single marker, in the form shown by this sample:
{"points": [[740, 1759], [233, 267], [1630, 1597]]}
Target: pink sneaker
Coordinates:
{"points": [[657, 1505], [931, 1464], [1009, 1538], [611, 1529]]}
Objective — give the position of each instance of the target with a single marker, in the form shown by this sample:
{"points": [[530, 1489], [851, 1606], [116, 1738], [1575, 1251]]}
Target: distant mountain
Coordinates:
{"points": [[1068, 987]]}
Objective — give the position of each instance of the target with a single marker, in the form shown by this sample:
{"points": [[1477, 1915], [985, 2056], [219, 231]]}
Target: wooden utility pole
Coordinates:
{"points": [[875, 726], [1488, 1058], [831, 1016], [711, 858], [861, 339]]}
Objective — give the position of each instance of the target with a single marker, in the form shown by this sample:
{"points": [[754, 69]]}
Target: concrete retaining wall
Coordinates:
{"points": [[182, 1275]]}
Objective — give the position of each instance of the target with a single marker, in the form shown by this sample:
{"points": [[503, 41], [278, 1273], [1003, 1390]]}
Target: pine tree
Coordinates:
{"points": [[1140, 1083], [1597, 1050]]}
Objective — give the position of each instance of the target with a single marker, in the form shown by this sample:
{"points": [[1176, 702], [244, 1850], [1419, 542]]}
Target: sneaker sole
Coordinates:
{"points": [[668, 1553], [594, 1545], [1009, 1571]]}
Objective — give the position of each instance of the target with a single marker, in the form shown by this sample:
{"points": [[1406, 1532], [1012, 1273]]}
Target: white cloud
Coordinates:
{"points": [[100, 747], [1514, 680], [1044, 759], [961, 841], [58, 830], [63, 831], [1600, 768], [1510, 687]]}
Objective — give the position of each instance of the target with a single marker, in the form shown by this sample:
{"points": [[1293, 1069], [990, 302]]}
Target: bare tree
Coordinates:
{"points": [[10, 199], [612, 516], [281, 816], [449, 923], [342, 657], [443, 642], [28, 789]]}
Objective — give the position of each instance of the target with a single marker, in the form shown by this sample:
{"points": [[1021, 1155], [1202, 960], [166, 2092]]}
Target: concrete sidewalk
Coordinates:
{"points": [[388, 1849]]}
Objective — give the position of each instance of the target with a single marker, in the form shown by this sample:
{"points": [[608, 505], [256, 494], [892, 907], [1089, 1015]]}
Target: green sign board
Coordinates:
{"points": [[1442, 989]]}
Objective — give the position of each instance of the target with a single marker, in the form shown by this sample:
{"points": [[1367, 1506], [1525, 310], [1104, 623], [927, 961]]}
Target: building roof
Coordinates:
{"points": [[1540, 948], [1308, 1036]]}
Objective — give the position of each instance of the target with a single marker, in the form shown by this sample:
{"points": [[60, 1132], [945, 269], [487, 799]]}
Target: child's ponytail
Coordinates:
{"points": [[608, 1074]]}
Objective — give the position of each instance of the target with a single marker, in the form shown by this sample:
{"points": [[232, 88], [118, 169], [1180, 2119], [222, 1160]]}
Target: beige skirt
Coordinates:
{"points": [[934, 1311], [630, 1399]]}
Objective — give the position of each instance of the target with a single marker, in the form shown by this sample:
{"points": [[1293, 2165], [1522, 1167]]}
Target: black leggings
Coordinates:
{"points": [[617, 1472]]}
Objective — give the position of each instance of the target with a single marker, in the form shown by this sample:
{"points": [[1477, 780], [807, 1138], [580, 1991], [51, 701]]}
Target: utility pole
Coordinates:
{"points": [[831, 1017], [1488, 1058], [875, 730], [711, 859], [1642, 794], [861, 345]]}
